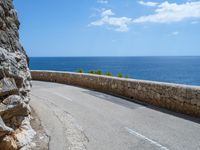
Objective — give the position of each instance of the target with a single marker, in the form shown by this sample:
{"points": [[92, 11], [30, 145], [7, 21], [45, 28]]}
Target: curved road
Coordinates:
{"points": [[77, 118]]}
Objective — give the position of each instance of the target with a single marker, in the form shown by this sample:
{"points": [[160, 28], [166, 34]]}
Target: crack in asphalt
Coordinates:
{"points": [[74, 134]]}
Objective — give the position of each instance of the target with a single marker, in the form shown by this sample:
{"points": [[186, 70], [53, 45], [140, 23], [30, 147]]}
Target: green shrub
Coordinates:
{"points": [[108, 74], [120, 75], [92, 71], [80, 71], [99, 72]]}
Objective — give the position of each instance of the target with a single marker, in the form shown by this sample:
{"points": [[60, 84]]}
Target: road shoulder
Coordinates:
{"points": [[41, 139]]}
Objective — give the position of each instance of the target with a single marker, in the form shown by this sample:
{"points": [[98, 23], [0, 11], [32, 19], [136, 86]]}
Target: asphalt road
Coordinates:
{"points": [[77, 118]]}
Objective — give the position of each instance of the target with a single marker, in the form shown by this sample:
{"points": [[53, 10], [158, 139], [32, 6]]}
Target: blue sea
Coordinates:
{"points": [[183, 70]]}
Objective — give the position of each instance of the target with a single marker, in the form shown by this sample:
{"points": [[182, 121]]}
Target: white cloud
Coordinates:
{"points": [[151, 4], [102, 1], [107, 13], [175, 33], [119, 24], [164, 13], [172, 12]]}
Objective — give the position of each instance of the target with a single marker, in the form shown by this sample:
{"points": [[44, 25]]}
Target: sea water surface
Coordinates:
{"points": [[183, 70]]}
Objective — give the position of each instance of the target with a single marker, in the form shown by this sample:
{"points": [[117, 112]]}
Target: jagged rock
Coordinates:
{"points": [[12, 68], [8, 143], [7, 87], [24, 134], [2, 74], [4, 129], [13, 106], [12, 100], [14, 83]]}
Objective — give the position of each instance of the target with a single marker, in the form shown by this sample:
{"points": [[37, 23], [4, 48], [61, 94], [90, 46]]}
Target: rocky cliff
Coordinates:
{"points": [[15, 129]]}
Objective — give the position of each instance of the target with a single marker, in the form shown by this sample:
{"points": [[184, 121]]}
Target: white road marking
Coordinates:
{"points": [[145, 138], [62, 96]]}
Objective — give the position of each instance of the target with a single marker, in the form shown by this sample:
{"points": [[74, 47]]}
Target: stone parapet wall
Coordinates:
{"points": [[179, 98]]}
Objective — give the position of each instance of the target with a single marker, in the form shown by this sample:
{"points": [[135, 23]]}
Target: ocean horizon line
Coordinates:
{"points": [[106, 56]]}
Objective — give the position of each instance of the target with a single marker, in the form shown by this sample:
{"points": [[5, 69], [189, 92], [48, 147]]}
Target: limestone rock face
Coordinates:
{"points": [[15, 129]]}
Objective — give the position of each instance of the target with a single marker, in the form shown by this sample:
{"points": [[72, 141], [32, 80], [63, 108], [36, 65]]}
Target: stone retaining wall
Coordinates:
{"points": [[180, 98]]}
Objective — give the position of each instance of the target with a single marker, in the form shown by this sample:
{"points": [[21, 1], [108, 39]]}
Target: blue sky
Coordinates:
{"points": [[110, 27]]}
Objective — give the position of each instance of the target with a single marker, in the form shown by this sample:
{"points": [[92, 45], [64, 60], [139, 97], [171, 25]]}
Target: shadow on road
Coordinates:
{"points": [[134, 104]]}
